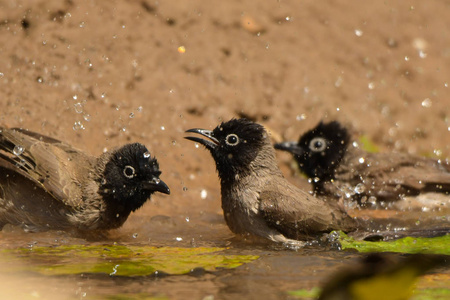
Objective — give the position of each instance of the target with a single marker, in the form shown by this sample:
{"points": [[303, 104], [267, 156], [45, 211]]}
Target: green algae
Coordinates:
{"points": [[118, 260], [435, 245]]}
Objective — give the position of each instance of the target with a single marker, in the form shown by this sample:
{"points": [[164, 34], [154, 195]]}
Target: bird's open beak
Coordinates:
{"points": [[157, 185], [291, 147], [210, 144]]}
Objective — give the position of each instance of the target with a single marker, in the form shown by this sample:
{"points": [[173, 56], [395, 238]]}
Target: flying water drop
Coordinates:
{"points": [[18, 150]]}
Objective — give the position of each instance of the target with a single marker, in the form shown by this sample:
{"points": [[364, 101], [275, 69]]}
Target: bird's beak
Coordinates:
{"points": [[157, 185], [291, 147], [210, 144]]}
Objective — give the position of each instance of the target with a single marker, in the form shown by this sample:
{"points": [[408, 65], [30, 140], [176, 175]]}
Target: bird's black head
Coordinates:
{"points": [[233, 145], [320, 150], [131, 175]]}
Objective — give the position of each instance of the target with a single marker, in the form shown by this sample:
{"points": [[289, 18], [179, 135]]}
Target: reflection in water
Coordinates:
{"points": [[277, 271]]}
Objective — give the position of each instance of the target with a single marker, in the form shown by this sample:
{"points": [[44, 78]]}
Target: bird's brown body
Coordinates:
{"points": [[338, 168], [388, 176], [256, 198], [47, 184]]}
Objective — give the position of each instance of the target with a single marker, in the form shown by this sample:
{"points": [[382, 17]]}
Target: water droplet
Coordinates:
{"points": [[87, 117], [18, 150], [427, 103], [178, 239], [74, 97], [355, 145], [185, 189], [114, 270], [78, 107], [197, 145], [361, 160], [147, 154], [300, 117], [288, 18], [78, 125], [139, 109], [371, 85], [422, 54], [358, 32], [163, 128], [135, 235], [187, 219], [203, 194], [360, 188], [131, 115], [174, 142], [372, 200], [406, 58], [21, 163], [40, 79]]}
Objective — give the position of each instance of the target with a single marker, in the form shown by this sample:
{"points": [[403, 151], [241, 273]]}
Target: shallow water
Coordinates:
{"points": [[277, 271]]}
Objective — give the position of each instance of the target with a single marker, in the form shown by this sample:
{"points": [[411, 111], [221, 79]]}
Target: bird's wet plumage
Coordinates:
{"points": [[48, 184], [256, 198], [338, 168]]}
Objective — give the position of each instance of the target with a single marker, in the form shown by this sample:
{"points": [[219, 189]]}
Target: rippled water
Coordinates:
{"points": [[272, 276]]}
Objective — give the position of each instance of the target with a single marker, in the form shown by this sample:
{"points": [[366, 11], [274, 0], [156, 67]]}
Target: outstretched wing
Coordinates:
{"points": [[297, 214], [56, 166]]}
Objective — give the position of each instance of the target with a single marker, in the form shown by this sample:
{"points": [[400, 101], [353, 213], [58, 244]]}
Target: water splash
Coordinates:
{"points": [[18, 150]]}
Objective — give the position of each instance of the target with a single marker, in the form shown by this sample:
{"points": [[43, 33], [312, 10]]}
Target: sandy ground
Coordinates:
{"points": [[98, 74]]}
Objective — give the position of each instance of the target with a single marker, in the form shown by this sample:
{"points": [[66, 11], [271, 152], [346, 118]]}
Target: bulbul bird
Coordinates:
{"points": [[46, 184], [256, 198], [338, 168], [381, 276]]}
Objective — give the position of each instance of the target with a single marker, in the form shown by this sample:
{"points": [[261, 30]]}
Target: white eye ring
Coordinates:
{"points": [[318, 144], [129, 172], [232, 139]]}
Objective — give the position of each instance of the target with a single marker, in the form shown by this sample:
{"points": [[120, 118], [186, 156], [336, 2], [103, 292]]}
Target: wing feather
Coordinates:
{"points": [[57, 166], [297, 214]]}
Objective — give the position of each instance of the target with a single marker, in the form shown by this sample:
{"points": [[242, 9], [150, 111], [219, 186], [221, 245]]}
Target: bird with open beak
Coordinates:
{"points": [[256, 198]]}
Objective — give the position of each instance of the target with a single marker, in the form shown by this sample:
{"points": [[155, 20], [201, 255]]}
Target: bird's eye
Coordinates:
{"points": [[232, 140], [318, 144], [129, 172]]}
